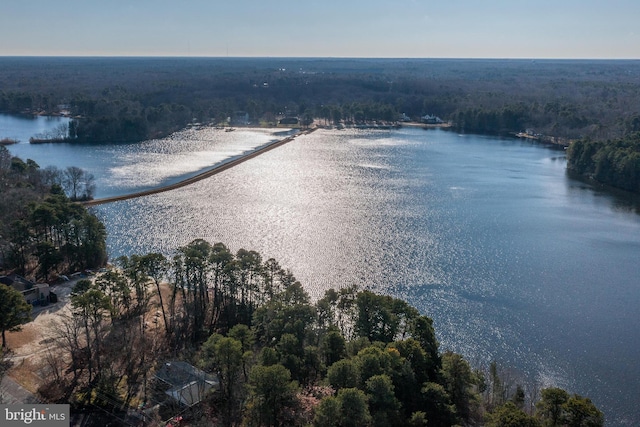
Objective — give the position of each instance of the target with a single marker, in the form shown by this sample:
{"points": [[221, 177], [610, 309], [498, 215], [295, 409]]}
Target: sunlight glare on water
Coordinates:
{"points": [[160, 162], [122, 168], [513, 260]]}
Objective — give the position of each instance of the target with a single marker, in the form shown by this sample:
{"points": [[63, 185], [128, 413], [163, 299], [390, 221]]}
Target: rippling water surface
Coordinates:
{"points": [[514, 260], [122, 168], [21, 128]]}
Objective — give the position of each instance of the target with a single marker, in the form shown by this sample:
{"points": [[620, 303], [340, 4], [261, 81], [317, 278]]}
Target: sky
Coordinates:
{"points": [[329, 28]]}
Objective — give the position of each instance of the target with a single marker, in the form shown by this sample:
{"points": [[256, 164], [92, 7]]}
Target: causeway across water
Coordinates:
{"points": [[200, 176]]}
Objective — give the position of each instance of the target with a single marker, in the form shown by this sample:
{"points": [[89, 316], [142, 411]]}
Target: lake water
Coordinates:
{"points": [[122, 168], [514, 260], [21, 128]]}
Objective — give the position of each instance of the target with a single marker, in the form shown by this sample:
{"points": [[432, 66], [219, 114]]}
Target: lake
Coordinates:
{"points": [[21, 128], [513, 259], [122, 168]]}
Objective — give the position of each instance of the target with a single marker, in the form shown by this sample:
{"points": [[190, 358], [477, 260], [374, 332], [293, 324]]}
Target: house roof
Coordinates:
{"points": [[188, 383], [191, 393], [18, 283]]}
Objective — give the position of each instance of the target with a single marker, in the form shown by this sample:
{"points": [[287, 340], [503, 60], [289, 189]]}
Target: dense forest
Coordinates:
{"points": [[353, 358], [612, 162], [138, 98], [132, 99], [43, 233]]}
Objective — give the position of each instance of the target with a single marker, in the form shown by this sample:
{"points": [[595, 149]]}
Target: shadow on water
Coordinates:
{"points": [[618, 200]]}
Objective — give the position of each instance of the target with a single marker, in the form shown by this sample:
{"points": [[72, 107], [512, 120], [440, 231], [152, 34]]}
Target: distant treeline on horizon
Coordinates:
{"points": [[117, 99]]}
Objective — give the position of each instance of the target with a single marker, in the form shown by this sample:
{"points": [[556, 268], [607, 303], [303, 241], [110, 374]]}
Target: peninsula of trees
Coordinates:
{"points": [[269, 355], [612, 162], [43, 233]]}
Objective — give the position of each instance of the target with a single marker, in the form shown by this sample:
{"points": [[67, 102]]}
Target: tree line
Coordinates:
{"points": [[43, 233], [352, 358], [612, 162], [131, 99]]}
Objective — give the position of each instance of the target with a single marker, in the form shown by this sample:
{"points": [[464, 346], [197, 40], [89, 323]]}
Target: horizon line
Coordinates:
{"points": [[523, 58]]}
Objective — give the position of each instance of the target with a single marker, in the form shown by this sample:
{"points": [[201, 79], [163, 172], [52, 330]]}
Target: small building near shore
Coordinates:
{"points": [[185, 383], [431, 119], [33, 293]]}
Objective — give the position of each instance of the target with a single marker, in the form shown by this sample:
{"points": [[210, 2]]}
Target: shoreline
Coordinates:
{"points": [[563, 142], [203, 175], [445, 125]]}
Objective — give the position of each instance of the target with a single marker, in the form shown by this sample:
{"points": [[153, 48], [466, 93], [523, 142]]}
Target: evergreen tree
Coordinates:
{"points": [[14, 311]]}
